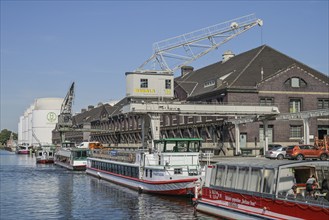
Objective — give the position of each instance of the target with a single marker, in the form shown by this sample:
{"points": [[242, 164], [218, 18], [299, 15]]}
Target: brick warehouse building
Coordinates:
{"points": [[261, 76]]}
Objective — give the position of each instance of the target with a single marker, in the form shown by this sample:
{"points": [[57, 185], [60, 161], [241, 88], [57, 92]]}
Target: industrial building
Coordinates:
{"points": [[261, 76], [36, 124]]}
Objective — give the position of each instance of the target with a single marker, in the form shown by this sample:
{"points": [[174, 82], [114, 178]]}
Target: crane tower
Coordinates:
{"points": [[173, 53], [65, 117]]}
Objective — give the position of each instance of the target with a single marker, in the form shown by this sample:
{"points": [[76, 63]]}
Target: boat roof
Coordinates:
{"points": [[267, 163]]}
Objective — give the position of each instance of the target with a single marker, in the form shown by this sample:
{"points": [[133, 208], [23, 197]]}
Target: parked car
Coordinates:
{"points": [[270, 147], [305, 151], [277, 152]]}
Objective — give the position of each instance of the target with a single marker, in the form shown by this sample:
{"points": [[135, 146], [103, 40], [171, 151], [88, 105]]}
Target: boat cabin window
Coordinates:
{"points": [[220, 174], [40, 153], [255, 179], [179, 145], [243, 177], [50, 153], [269, 176], [68, 145], [302, 174], [178, 171], [230, 177], [79, 154]]}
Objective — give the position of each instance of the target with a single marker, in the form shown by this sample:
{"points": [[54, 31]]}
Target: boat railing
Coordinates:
{"points": [[317, 200]]}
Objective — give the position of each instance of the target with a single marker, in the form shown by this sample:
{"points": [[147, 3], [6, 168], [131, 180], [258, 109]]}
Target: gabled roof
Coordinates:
{"points": [[242, 71], [91, 115]]}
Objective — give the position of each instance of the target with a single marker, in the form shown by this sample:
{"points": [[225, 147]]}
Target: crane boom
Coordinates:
{"points": [[173, 53], [65, 116]]}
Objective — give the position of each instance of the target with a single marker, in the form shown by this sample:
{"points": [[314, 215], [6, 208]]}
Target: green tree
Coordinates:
{"points": [[5, 135]]}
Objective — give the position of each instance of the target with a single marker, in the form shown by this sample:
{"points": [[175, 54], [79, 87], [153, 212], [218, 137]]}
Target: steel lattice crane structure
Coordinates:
{"points": [[65, 117], [188, 47]]}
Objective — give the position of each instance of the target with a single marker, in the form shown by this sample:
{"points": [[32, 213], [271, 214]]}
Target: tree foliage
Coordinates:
{"points": [[5, 136]]}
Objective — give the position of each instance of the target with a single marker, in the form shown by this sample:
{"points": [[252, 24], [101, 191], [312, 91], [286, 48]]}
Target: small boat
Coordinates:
{"points": [[23, 149], [71, 157], [171, 168], [45, 154], [257, 189]]}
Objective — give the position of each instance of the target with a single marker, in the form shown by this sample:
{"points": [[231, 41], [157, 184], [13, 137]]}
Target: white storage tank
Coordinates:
{"points": [[38, 121], [20, 130]]}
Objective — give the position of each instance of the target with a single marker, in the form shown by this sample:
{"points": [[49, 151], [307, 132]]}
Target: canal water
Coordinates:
{"points": [[46, 191]]}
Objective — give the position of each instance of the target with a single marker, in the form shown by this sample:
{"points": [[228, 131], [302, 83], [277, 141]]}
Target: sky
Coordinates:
{"points": [[47, 45]]}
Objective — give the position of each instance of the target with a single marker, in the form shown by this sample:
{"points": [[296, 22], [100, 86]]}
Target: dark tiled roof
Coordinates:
{"points": [[92, 114], [241, 72]]}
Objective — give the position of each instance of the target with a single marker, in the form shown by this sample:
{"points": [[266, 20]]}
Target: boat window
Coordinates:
{"points": [[286, 179], [268, 180], [178, 171], [302, 174], [230, 177], [146, 171], [220, 173], [40, 153], [255, 179], [150, 173], [50, 153], [242, 181], [322, 173]]}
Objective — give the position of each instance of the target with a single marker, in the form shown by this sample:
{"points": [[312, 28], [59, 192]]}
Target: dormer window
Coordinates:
{"points": [[209, 83], [295, 82]]}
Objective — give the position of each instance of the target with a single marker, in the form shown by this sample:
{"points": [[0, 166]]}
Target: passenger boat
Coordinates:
{"points": [[23, 149], [71, 157], [45, 154], [171, 168], [256, 189]]}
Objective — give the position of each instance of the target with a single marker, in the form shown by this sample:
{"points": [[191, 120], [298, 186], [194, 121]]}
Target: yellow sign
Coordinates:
{"points": [[168, 91], [144, 90]]}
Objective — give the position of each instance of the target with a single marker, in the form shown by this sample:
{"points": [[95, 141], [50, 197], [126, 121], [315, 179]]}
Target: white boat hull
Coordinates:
{"points": [[172, 187]]}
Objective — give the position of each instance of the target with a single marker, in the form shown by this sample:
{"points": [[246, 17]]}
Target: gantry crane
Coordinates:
{"points": [[173, 53]]}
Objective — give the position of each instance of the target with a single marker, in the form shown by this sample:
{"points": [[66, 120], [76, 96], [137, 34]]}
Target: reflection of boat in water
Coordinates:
{"points": [[171, 169], [133, 205], [45, 154], [71, 157], [257, 189], [23, 149]]}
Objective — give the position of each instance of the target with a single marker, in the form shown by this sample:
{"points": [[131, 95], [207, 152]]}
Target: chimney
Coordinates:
{"points": [[186, 70], [227, 55], [90, 107]]}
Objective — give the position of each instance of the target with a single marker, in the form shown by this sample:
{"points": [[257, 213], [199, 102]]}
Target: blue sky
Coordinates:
{"points": [[46, 45]]}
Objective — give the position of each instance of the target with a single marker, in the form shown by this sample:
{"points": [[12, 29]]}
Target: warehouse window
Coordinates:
{"points": [[269, 101], [323, 103], [144, 83], [295, 105], [295, 131], [168, 84], [295, 82]]}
